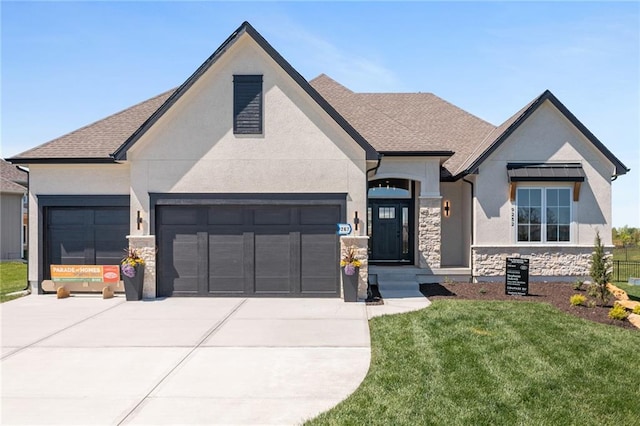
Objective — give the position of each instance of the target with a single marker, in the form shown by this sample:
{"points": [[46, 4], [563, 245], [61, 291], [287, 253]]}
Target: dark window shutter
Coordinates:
{"points": [[247, 104]]}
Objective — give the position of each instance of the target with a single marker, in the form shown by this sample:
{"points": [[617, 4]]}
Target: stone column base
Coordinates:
{"points": [[429, 232], [146, 247], [361, 245]]}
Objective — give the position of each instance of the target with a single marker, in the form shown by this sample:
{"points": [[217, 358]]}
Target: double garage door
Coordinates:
{"points": [[248, 250]]}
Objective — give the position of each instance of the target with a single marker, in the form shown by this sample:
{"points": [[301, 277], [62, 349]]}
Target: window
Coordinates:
{"points": [[247, 104], [544, 214]]}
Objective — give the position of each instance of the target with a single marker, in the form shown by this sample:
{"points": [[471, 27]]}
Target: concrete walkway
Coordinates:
{"points": [[85, 360]]}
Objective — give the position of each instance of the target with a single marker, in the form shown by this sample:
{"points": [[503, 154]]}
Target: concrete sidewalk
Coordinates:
{"points": [[85, 360]]}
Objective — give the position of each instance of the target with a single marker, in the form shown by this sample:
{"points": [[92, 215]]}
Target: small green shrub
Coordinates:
{"points": [[618, 313], [592, 290], [591, 304], [483, 290], [636, 310], [577, 300], [577, 285]]}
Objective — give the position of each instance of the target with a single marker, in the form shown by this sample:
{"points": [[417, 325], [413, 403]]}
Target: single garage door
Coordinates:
{"points": [[244, 250], [85, 236]]}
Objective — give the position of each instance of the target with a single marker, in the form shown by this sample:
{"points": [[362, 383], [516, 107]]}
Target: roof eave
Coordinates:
{"points": [[62, 160]]}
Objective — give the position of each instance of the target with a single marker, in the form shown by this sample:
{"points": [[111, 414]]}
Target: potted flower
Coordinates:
{"points": [[132, 267], [350, 268]]}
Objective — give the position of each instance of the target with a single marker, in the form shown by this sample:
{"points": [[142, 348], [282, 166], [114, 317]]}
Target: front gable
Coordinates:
{"points": [[246, 38], [192, 147]]}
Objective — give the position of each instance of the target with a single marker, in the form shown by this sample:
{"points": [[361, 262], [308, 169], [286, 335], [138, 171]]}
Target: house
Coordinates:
{"points": [[13, 190], [233, 183]]}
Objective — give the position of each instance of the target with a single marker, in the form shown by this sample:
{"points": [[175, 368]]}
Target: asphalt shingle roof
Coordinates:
{"points": [[99, 139], [12, 173]]}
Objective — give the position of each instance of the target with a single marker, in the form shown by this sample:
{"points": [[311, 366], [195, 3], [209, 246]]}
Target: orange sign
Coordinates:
{"points": [[90, 273]]}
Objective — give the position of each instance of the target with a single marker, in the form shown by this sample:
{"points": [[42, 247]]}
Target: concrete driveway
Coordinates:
{"points": [[85, 360]]}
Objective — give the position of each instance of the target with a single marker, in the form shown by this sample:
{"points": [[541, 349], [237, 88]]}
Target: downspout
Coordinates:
{"points": [[375, 169], [471, 240]]}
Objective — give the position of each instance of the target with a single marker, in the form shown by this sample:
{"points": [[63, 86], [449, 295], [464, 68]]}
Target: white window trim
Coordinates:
{"points": [[543, 224]]}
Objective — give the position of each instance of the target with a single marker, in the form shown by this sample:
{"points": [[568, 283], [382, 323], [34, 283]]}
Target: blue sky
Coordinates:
{"points": [[67, 64]]}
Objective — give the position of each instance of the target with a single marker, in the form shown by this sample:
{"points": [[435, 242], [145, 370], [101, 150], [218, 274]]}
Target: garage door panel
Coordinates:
{"points": [[318, 258], [67, 246], [225, 215], [272, 263], [272, 216], [319, 215], [226, 263], [68, 216], [112, 217], [179, 216], [179, 270]]}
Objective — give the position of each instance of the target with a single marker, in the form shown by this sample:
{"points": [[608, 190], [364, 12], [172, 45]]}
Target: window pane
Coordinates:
{"points": [[564, 215], [523, 215], [523, 233], [535, 215], [405, 230], [552, 215], [536, 197], [552, 197], [534, 233], [552, 233], [564, 198], [564, 233]]}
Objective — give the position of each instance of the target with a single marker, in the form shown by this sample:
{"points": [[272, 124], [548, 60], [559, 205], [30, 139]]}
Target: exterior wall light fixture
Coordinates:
{"points": [[447, 208], [139, 220]]}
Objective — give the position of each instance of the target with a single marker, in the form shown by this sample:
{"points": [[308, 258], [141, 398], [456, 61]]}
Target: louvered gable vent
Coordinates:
{"points": [[247, 104]]}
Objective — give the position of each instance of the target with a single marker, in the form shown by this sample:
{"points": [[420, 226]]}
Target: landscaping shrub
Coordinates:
{"points": [[577, 300], [636, 310], [618, 313], [577, 285], [600, 271]]}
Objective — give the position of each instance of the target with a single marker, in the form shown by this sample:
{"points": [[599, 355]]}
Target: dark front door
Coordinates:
{"points": [[391, 222]]}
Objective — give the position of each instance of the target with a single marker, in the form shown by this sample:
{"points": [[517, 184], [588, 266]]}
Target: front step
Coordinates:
{"points": [[412, 274]]}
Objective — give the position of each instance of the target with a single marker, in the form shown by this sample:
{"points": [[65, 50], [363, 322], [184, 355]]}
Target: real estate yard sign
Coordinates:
{"points": [[87, 273], [517, 276]]}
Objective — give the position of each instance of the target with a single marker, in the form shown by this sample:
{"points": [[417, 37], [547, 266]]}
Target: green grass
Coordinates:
{"points": [[495, 363], [629, 253], [13, 277]]}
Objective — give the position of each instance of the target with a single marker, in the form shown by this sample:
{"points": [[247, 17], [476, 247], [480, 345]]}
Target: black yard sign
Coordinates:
{"points": [[517, 276]]}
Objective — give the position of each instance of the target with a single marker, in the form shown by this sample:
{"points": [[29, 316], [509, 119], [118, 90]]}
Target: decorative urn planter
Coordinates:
{"points": [[133, 285], [350, 277]]}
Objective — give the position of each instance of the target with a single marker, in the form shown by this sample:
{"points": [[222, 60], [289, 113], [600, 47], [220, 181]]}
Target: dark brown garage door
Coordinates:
{"points": [[248, 250], [85, 236]]}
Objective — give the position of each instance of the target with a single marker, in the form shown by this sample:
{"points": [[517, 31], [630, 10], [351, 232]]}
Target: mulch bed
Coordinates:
{"points": [[556, 294]]}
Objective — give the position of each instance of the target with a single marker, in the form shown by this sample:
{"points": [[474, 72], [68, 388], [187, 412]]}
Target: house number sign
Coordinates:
{"points": [[344, 228]]}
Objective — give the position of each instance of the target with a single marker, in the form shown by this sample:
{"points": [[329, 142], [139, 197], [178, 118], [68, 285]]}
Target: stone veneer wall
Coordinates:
{"points": [[146, 246], [361, 245], [429, 232], [544, 261]]}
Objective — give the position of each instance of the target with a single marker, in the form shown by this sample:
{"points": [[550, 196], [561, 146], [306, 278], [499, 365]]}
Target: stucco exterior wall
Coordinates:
{"points": [[425, 170], [69, 179], [546, 136], [11, 225], [455, 227], [192, 148]]}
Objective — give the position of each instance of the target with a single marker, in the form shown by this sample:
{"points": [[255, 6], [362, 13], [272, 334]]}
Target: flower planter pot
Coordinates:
{"points": [[350, 285], [133, 285]]}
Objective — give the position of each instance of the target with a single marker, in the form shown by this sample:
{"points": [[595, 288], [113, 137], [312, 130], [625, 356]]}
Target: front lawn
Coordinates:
{"points": [[13, 277], [464, 362]]}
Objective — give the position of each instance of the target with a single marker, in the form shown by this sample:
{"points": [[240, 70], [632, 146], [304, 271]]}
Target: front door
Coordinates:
{"points": [[390, 239]]}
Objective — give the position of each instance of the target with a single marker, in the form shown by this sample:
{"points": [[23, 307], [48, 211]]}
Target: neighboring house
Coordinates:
{"points": [[13, 218], [233, 183]]}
